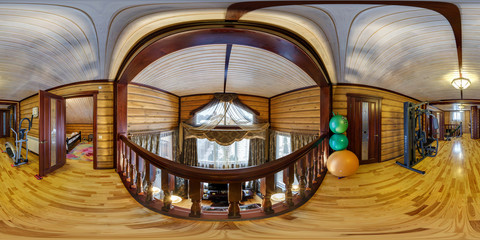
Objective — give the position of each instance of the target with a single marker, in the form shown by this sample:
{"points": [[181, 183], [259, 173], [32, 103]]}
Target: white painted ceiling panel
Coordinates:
{"points": [[188, 71], [44, 46], [262, 73]]}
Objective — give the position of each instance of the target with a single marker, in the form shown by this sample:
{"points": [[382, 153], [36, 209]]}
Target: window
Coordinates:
{"points": [[165, 145], [457, 116], [283, 148], [213, 155], [283, 145]]}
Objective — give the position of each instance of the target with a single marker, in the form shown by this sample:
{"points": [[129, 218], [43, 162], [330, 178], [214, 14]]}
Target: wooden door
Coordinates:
{"points": [[52, 133], [4, 123], [364, 127]]}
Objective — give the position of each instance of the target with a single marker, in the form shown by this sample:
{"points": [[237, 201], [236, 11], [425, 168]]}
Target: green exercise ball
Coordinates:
{"points": [[338, 142], [338, 124]]}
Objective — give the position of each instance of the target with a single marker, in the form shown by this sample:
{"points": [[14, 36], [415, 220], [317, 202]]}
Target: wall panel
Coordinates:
{"points": [[85, 128], [150, 110], [392, 116], [297, 111]]}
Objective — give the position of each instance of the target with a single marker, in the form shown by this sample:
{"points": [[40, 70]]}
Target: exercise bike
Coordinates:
{"points": [[15, 152]]}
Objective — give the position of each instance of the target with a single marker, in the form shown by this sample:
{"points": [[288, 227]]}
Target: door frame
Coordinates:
{"points": [[16, 117], [92, 94], [351, 98]]}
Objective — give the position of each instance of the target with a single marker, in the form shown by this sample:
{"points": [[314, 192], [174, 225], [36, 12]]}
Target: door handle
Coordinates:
{"points": [[41, 142]]}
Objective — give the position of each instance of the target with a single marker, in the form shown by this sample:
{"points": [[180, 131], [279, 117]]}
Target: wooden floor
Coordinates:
{"points": [[382, 201]]}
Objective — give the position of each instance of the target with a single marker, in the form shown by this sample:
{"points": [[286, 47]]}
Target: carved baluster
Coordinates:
{"points": [[195, 194], [324, 155], [167, 201], [132, 169], [270, 189], [288, 179], [139, 174], [309, 160], [127, 165], [302, 179], [124, 165], [234, 197], [316, 173], [149, 179]]}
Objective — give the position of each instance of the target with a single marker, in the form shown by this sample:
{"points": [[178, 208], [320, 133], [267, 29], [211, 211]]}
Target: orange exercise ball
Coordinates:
{"points": [[342, 163]]}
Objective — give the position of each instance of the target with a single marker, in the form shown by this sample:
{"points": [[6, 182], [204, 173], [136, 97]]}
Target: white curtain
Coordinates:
{"points": [[213, 155]]}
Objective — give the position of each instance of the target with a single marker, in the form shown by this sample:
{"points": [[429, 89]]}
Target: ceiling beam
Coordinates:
{"points": [[449, 10], [247, 37]]}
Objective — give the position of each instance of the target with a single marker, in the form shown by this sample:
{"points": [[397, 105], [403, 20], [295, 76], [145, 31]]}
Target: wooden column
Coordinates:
{"points": [[474, 122], [195, 194], [234, 197], [270, 189], [120, 120], [167, 201]]}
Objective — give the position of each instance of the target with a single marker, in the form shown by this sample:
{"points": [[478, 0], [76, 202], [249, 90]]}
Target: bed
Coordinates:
{"points": [[73, 141]]}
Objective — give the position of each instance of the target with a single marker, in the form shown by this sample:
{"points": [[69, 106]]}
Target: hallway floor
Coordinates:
{"points": [[382, 201]]}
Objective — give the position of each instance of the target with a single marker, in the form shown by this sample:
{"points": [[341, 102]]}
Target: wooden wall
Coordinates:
{"points": [[297, 111], [104, 116], [150, 109], [190, 103], [465, 122], [85, 128], [392, 116]]}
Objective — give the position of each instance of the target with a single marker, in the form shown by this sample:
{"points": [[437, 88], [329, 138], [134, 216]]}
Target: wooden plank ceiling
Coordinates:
{"points": [[79, 110], [410, 50]]}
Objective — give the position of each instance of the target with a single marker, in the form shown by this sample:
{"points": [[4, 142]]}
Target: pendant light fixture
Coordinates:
{"points": [[461, 83]]}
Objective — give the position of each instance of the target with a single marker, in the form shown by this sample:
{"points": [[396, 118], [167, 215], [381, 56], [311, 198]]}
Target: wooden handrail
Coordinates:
{"points": [[221, 176]]}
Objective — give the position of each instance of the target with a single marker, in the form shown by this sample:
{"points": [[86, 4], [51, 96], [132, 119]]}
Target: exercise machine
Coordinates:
{"points": [[415, 139], [15, 152]]}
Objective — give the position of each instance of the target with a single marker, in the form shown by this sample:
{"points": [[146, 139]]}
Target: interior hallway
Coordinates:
{"points": [[382, 201]]}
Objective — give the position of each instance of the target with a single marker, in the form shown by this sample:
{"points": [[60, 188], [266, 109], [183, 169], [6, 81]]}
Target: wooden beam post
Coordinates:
{"points": [[474, 122]]}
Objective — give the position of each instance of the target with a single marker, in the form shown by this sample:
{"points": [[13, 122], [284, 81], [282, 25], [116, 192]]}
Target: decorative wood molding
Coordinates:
{"points": [[137, 61], [377, 88], [448, 10], [294, 90], [452, 101], [153, 88], [69, 85]]}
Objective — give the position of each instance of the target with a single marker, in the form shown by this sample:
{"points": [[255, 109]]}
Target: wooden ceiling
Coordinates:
{"points": [[79, 110], [410, 50], [201, 69]]}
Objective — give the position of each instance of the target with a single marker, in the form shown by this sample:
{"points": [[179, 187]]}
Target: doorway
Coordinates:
{"points": [[364, 131], [4, 123], [81, 127]]}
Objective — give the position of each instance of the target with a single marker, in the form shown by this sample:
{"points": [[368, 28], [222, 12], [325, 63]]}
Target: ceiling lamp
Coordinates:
{"points": [[175, 199], [461, 106], [461, 83]]}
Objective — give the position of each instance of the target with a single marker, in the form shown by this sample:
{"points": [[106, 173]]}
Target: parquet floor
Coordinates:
{"points": [[382, 201]]}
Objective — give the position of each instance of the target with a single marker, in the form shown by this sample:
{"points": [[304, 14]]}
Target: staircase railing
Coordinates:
{"points": [[138, 168], [453, 130]]}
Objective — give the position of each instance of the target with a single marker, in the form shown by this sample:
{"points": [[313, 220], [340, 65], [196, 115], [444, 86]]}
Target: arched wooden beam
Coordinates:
{"points": [[449, 10], [247, 37]]}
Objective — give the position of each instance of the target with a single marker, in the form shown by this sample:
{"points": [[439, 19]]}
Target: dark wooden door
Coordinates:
{"points": [[4, 123], [52, 133], [364, 127]]}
